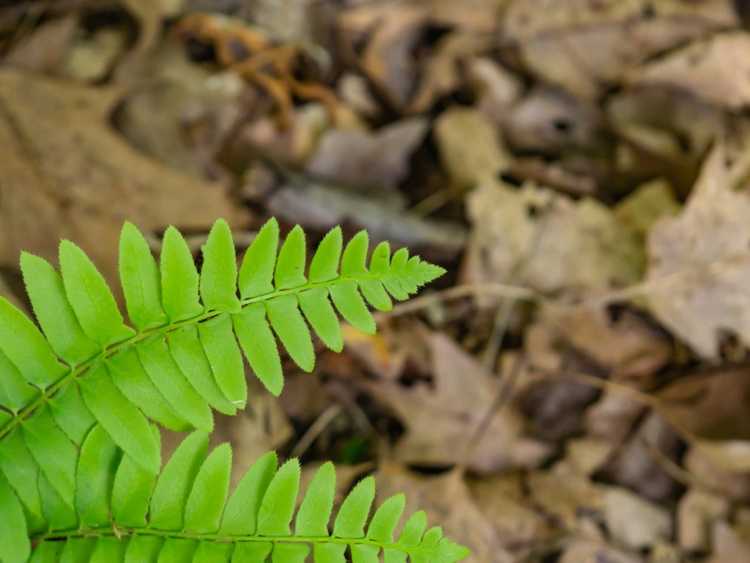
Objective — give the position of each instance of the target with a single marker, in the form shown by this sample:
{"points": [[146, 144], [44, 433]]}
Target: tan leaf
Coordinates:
{"points": [[440, 417], [49, 191], [447, 500], [717, 70], [703, 252], [586, 46], [549, 242]]}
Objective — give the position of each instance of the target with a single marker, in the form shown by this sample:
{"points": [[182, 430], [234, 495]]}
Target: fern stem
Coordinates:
{"points": [[98, 532], [79, 370]]}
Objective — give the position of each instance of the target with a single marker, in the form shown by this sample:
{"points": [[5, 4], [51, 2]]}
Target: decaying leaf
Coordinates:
{"points": [[439, 417], [448, 499], [549, 242], [320, 206], [368, 160], [697, 510], [701, 259], [633, 521], [49, 191], [586, 46], [717, 70]]}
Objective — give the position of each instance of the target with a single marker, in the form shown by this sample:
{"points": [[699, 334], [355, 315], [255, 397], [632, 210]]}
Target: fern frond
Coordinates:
{"points": [[182, 357], [186, 514]]}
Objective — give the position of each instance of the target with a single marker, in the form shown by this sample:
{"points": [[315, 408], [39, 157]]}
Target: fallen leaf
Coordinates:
{"points": [[626, 346], [704, 250], [440, 417], [585, 47], [468, 164], [564, 495], [501, 500], [729, 546], [321, 207], [716, 70], [712, 405], [495, 87], [638, 464], [180, 113], [696, 512], [446, 499], [551, 243], [586, 551], [50, 192], [548, 120], [634, 522], [442, 72], [44, 49], [711, 474], [648, 203], [389, 32], [367, 160]]}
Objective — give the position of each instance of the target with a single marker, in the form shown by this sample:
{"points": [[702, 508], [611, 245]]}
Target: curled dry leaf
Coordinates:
{"points": [[699, 263]]}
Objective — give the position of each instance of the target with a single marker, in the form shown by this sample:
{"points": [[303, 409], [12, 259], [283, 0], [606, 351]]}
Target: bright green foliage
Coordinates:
{"points": [[191, 519], [182, 357], [82, 394]]}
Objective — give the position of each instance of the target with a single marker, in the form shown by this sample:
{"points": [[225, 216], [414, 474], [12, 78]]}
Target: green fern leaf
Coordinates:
{"points": [[14, 541], [190, 518], [182, 357]]}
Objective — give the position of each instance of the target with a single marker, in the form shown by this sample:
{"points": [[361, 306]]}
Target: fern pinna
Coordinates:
{"points": [[79, 453]]}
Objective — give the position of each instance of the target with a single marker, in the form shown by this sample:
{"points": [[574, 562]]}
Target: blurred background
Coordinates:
{"points": [[577, 388]]}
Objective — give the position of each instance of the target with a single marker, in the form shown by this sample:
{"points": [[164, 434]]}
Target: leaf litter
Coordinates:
{"points": [[575, 390]]}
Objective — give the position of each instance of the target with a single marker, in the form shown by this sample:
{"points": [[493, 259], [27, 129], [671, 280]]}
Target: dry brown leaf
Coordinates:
{"points": [[586, 46], [50, 192], [716, 70], [440, 417], [548, 242], [447, 500], [626, 346], [705, 251], [712, 406]]}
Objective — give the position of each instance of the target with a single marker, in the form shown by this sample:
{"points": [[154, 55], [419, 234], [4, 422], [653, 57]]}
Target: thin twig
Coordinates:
{"points": [[315, 430]]}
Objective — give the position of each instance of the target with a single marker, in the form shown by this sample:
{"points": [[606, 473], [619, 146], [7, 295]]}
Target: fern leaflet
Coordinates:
{"points": [[183, 355], [186, 514]]}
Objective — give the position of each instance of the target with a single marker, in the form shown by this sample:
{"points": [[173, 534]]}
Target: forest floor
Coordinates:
{"points": [[577, 388]]}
